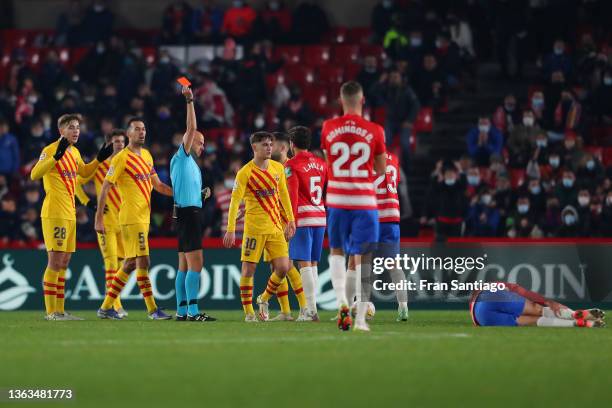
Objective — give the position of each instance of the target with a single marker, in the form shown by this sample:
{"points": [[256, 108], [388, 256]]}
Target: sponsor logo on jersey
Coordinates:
{"points": [[42, 157]]}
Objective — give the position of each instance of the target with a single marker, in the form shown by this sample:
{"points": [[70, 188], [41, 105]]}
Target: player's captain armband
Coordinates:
{"points": [[111, 171], [288, 171], [42, 157], [183, 81]]}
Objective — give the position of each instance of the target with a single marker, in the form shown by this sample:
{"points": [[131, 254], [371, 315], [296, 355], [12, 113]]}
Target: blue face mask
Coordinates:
{"points": [[569, 219], [523, 208], [568, 182], [607, 81], [590, 165], [450, 181], [535, 190], [416, 41], [473, 180]]}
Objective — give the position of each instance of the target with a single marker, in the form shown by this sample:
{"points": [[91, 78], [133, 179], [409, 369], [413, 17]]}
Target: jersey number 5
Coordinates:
{"points": [[360, 150], [316, 191]]}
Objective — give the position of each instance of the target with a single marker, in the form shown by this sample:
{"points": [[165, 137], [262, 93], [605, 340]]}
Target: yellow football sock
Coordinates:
{"points": [[144, 284], [282, 294], [50, 289], [59, 292], [246, 294], [295, 279], [273, 283], [116, 286]]}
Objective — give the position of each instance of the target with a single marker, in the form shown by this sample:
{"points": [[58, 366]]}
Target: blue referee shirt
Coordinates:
{"points": [[186, 179]]}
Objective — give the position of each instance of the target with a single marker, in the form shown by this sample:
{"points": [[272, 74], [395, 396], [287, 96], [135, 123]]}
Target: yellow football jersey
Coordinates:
{"points": [[133, 174], [265, 196], [59, 180], [113, 201]]}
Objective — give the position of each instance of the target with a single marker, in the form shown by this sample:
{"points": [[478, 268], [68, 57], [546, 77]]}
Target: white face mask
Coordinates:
{"points": [[584, 201], [228, 183], [542, 142], [590, 165], [484, 128], [523, 208], [535, 189], [554, 161], [528, 121], [450, 181], [609, 200], [473, 180], [486, 199]]}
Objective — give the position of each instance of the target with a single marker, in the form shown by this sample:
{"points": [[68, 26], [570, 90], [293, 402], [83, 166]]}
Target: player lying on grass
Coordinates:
{"points": [[517, 306]]}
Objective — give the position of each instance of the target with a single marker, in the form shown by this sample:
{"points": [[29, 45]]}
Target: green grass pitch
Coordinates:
{"points": [[435, 359]]}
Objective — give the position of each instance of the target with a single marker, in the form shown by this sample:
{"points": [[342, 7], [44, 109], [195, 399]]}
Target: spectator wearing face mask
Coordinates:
{"points": [[601, 99], [566, 190], [380, 18], [483, 140], [606, 216], [558, 60], [238, 20], [570, 226], [583, 207], [503, 196], [523, 220], [483, 216], [475, 181], [552, 95], [368, 76], [507, 116], [446, 203], [430, 83], [402, 106], [590, 171], [572, 150], [550, 171], [521, 140], [567, 115], [537, 197], [540, 149], [538, 106]]}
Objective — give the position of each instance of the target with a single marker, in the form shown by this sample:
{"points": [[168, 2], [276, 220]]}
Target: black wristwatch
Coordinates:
{"points": [[189, 100]]}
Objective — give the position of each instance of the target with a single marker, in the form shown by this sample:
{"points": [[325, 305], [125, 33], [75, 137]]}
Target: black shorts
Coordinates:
{"points": [[189, 228]]}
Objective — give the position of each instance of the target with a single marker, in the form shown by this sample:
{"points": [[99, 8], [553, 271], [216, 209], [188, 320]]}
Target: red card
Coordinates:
{"points": [[183, 81]]}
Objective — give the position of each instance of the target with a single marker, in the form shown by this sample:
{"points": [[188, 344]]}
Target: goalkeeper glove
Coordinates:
{"points": [[105, 152], [61, 148]]}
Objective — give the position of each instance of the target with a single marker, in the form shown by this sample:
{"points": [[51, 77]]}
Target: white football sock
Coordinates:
{"points": [[362, 309], [567, 314], [315, 276], [338, 277], [351, 286], [554, 322], [397, 277], [308, 284]]}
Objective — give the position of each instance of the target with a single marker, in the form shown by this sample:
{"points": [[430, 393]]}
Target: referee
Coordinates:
{"points": [[187, 187]]}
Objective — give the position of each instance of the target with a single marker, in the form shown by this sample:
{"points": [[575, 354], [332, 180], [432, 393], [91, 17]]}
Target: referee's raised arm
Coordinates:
{"points": [[187, 188], [191, 129]]}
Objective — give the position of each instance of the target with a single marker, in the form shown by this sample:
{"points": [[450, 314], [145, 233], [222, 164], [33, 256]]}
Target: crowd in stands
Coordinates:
{"points": [[274, 68]]}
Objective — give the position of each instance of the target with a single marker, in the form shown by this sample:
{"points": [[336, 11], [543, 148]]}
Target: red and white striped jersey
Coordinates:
{"points": [[306, 177], [350, 143], [386, 191], [223, 198]]}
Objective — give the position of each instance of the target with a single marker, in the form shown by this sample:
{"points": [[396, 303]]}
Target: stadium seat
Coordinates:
{"points": [[424, 120], [302, 75], [517, 177], [607, 156], [336, 35], [358, 35], [224, 136], [351, 71], [330, 74], [290, 54], [375, 50], [274, 79], [317, 55], [317, 98], [345, 53]]}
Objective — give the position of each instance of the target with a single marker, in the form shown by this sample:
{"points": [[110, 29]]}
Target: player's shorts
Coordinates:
{"points": [[135, 240], [306, 244], [253, 247], [189, 229], [111, 242], [355, 231], [388, 240], [59, 235], [500, 308]]}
